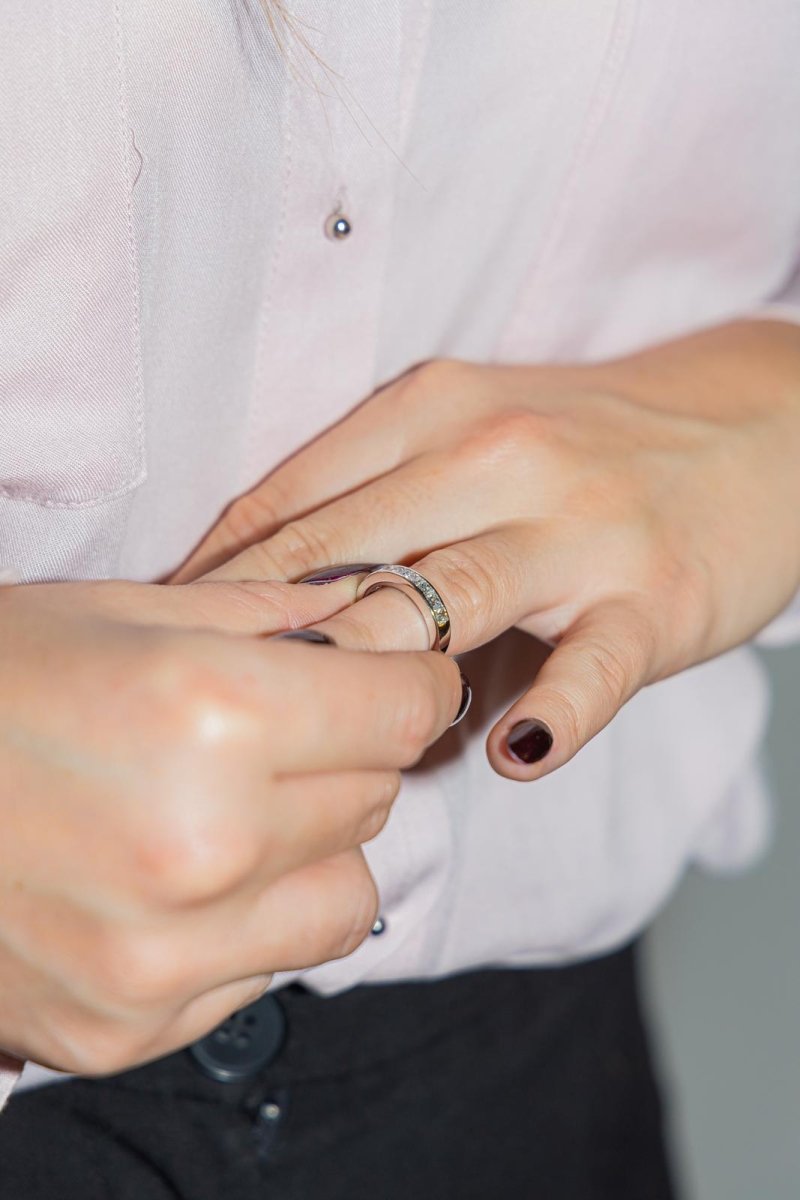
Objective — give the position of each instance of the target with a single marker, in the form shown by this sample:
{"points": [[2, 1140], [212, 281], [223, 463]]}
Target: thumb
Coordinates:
{"points": [[250, 608], [600, 662]]}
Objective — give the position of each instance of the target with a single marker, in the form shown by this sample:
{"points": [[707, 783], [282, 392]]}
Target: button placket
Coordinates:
{"points": [[269, 1120], [345, 125]]}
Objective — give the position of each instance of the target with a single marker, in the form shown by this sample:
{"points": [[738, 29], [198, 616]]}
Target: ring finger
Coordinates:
{"points": [[488, 583]]}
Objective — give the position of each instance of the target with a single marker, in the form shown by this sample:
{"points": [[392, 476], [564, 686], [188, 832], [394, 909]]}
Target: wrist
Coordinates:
{"points": [[740, 384], [729, 373]]}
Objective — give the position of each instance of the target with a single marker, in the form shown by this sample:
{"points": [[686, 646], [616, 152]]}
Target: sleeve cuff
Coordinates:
{"points": [[10, 1071]]}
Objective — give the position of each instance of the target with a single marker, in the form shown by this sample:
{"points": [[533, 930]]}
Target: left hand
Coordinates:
{"points": [[640, 515]]}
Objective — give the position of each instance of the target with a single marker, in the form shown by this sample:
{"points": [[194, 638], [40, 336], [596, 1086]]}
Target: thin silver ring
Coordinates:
{"points": [[408, 581]]}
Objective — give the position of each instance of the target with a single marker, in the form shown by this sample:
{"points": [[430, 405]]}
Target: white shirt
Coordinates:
{"points": [[560, 181]]}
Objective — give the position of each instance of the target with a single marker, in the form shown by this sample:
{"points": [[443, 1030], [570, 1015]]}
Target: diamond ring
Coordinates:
{"points": [[427, 600]]}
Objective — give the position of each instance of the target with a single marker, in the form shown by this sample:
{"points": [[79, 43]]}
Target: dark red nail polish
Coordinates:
{"points": [[306, 635], [331, 574], [529, 741], [466, 700]]}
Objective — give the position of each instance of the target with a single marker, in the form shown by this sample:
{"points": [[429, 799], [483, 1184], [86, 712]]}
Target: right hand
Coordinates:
{"points": [[182, 805]]}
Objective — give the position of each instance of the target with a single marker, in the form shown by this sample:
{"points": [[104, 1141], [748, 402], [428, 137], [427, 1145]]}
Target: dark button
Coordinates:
{"points": [[242, 1045]]}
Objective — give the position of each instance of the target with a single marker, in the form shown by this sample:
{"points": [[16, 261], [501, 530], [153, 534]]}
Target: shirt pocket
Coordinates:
{"points": [[71, 406]]}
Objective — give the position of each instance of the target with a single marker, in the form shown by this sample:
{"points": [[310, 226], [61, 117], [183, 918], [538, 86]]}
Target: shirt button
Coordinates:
{"points": [[379, 927], [242, 1045], [338, 227]]}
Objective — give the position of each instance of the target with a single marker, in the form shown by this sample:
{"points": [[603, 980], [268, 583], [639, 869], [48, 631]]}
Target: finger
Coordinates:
{"points": [[600, 663], [317, 816], [250, 607], [488, 584], [204, 1013], [432, 501], [358, 450], [351, 711], [314, 915], [305, 819], [389, 428], [92, 1046], [343, 458]]}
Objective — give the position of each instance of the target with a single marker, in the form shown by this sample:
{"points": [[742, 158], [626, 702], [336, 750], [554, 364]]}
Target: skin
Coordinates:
{"points": [[640, 515], [187, 818]]}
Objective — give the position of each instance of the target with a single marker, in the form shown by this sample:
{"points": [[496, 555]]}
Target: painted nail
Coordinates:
{"points": [[331, 574], [306, 635], [529, 741], [466, 700]]}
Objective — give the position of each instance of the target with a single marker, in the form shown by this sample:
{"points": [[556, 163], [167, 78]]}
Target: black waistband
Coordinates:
{"points": [[326, 1036]]}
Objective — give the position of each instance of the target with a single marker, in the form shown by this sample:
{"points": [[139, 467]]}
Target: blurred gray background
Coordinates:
{"points": [[722, 969]]}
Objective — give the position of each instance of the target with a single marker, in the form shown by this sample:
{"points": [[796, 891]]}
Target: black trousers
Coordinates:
{"points": [[491, 1085]]}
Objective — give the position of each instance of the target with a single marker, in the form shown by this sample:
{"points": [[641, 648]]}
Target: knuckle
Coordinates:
{"points": [[615, 667], [433, 377], [356, 633], [506, 438], [166, 692], [416, 726], [424, 384], [338, 911], [192, 860], [610, 673], [253, 515], [210, 715], [381, 806], [143, 974], [372, 824], [477, 584], [568, 717], [198, 704], [160, 663], [260, 599], [133, 971], [184, 693], [642, 641], [363, 910], [298, 547]]}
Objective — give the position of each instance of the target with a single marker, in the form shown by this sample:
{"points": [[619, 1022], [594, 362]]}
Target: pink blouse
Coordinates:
{"points": [[525, 182]]}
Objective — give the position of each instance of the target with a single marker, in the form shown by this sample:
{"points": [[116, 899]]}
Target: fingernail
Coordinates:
{"points": [[331, 574], [529, 741], [305, 635], [466, 700]]}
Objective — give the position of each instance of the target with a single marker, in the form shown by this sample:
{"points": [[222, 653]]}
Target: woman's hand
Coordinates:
{"points": [[182, 805], [640, 515]]}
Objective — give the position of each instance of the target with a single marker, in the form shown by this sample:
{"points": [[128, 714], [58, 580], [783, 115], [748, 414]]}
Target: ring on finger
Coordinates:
{"points": [[420, 590]]}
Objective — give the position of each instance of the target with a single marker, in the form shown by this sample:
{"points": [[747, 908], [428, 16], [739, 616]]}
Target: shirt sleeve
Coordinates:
{"points": [[785, 304]]}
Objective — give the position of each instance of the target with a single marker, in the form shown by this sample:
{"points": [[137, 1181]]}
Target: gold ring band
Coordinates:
{"points": [[408, 581]]}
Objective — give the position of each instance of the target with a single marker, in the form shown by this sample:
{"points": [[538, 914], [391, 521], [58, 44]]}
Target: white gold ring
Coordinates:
{"points": [[426, 599]]}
